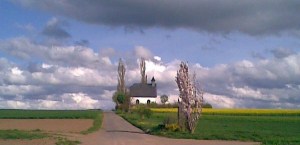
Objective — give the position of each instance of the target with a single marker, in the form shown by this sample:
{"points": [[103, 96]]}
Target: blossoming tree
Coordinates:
{"points": [[190, 99]]}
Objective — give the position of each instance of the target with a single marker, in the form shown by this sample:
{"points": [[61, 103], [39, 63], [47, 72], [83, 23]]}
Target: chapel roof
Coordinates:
{"points": [[143, 90]]}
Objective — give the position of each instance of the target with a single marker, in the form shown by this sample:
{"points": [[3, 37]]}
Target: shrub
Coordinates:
{"points": [[152, 105], [170, 123], [172, 127], [155, 105], [144, 111], [207, 105], [170, 120]]}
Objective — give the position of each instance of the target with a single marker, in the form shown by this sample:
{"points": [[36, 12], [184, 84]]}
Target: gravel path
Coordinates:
{"points": [[117, 131]]}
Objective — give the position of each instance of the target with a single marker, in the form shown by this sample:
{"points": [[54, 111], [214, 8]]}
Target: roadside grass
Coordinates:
{"points": [[96, 124], [65, 141], [269, 129], [20, 134]]}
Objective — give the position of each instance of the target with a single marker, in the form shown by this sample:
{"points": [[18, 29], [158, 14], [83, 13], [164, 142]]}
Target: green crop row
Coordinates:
{"points": [[48, 114]]}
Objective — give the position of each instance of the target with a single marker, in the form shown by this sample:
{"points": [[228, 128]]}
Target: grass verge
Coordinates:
{"points": [[20, 134], [96, 124], [65, 141]]}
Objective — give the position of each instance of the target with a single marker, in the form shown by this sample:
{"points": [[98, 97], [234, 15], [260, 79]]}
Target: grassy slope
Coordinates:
{"points": [[269, 129]]}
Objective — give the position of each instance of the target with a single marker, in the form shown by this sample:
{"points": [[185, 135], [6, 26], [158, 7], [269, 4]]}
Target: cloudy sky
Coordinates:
{"points": [[63, 54]]}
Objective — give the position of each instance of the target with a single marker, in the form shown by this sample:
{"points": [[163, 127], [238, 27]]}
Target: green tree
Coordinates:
{"points": [[121, 98], [164, 99], [207, 105]]}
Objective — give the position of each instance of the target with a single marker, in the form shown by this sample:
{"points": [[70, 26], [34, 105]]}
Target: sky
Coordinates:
{"points": [[63, 54]]}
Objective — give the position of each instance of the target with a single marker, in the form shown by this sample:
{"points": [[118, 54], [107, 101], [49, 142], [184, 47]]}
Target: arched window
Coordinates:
{"points": [[148, 102], [137, 101]]}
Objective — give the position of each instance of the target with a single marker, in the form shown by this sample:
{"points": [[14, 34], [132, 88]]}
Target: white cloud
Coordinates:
{"points": [[246, 92], [143, 52], [72, 55], [16, 76], [17, 105], [46, 66], [157, 58], [22, 48], [14, 90], [106, 60], [107, 95], [154, 67], [82, 100], [262, 83], [45, 78], [77, 77], [219, 101], [47, 104], [107, 52]]}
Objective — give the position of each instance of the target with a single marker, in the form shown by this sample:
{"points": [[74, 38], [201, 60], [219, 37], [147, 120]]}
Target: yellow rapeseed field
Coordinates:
{"points": [[283, 112]]}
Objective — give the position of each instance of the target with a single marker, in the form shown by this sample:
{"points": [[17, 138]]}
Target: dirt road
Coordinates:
{"points": [[117, 131]]}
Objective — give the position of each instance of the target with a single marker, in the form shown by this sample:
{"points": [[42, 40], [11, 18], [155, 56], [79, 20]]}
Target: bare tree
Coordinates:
{"points": [[142, 70], [190, 99], [121, 96], [121, 77]]}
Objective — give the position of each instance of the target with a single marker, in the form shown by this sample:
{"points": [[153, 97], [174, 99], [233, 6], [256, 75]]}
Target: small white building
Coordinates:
{"points": [[143, 93]]}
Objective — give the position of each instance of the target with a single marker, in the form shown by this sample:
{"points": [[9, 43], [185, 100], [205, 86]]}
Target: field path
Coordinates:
{"points": [[116, 131]]}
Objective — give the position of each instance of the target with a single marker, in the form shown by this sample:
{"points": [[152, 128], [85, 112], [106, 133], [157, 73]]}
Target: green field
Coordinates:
{"points": [[242, 112], [96, 115], [48, 114], [274, 127]]}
